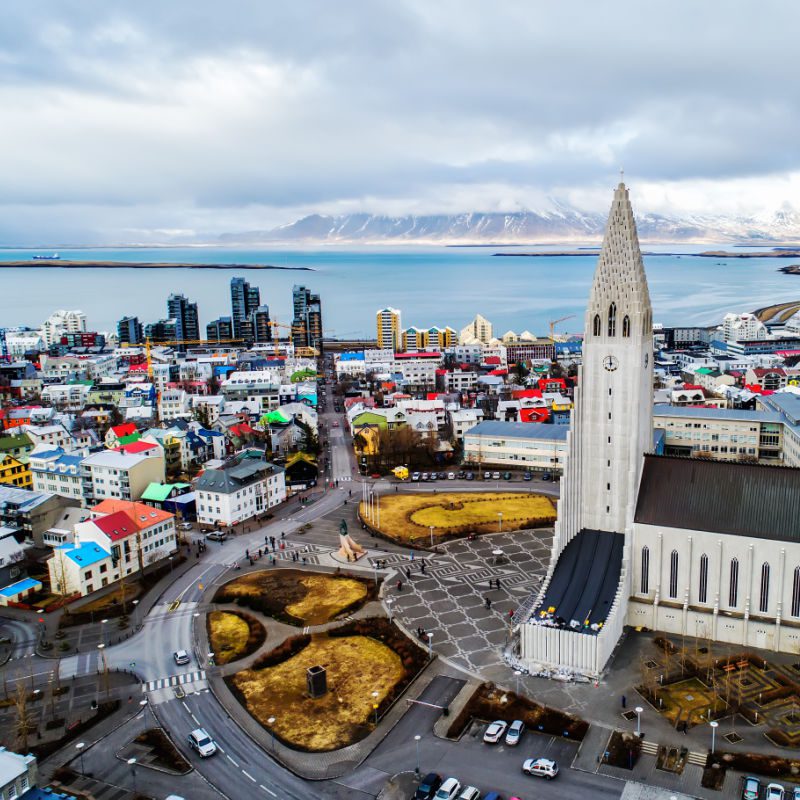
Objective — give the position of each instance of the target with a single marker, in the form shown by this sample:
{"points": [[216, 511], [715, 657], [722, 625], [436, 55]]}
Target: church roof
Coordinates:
{"points": [[740, 499]]}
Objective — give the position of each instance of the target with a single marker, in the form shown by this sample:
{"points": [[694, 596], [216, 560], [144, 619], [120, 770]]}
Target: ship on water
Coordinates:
{"points": [[54, 257]]}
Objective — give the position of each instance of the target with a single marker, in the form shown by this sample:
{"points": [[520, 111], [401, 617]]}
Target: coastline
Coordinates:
{"points": [[59, 264]]}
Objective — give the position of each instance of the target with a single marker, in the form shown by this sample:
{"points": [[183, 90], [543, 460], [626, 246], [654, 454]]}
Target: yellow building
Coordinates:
{"points": [[14, 473], [389, 329]]}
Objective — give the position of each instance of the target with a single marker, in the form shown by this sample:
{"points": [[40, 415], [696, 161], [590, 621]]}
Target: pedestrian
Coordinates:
{"points": [[685, 727], [247, 553], [624, 701], [304, 559], [408, 573], [399, 586], [488, 602], [422, 567], [266, 539], [498, 583]]}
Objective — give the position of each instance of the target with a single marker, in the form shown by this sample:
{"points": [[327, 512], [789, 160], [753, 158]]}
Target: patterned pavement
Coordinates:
{"points": [[449, 600]]}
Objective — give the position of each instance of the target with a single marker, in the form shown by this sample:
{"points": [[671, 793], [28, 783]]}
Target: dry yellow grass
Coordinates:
{"points": [[409, 517], [228, 634], [356, 667], [326, 596]]}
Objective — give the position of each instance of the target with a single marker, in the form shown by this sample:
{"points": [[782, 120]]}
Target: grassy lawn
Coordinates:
{"points": [[356, 667], [227, 634], [408, 517], [688, 700], [132, 590], [299, 598]]}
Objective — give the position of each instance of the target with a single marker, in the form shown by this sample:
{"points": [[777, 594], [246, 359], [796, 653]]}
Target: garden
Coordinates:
{"points": [[297, 597], [409, 518]]}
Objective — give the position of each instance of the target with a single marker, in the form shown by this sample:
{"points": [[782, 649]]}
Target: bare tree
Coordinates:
{"points": [[23, 716]]}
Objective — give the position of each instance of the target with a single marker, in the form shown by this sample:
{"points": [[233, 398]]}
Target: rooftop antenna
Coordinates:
{"points": [[621, 175]]}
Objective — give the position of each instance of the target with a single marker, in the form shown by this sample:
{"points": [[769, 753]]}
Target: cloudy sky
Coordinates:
{"points": [[141, 122]]}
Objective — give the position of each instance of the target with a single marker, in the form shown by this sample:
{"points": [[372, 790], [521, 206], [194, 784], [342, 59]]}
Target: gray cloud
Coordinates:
{"points": [[205, 117]]}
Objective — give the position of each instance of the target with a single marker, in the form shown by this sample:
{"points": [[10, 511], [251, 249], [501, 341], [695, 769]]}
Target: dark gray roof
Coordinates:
{"points": [[719, 496]]}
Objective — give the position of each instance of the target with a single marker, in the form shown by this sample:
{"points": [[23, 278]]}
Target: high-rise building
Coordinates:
{"points": [[184, 312], [165, 330], [262, 328], [62, 322], [219, 330], [129, 331], [390, 330], [307, 320], [479, 330], [245, 299]]}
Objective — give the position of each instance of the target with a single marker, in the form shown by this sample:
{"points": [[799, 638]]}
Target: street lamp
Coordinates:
{"points": [[517, 673], [714, 725], [389, 603], [79, 747], [132, 765], [431, 527], [375, 706], [430, 646], [638, 711], [500, 520], [210, 659], [170, 565], [103, 630], [271, 723], [143, 705], [416, 739]]}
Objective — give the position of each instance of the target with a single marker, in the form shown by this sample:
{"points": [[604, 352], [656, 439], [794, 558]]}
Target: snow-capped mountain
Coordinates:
{"points": [[560, 224]]}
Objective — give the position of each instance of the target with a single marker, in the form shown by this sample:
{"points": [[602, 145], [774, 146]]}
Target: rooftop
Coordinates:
{"points": [[704, 412], [85, 555], [520, 430]]}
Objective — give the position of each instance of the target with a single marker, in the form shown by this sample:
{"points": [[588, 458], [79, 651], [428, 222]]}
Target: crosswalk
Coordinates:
{"points": [[174, 680]]}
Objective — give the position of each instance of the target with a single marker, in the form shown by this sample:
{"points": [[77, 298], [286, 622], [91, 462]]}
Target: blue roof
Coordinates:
{"points": [[520, 430], [13, 589], [352, 356], [86, 554], [206, 432]]}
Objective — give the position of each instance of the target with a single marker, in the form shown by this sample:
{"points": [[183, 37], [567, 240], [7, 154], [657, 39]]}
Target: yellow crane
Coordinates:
{"points": [[150, 343], [555, 322], [293, 329]]}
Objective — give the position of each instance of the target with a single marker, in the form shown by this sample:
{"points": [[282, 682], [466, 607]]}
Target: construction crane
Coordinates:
{"points": [[310, 352], [555, 322], [150, 343]]}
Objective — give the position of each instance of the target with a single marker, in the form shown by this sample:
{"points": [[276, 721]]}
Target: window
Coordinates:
{"points": [[763, 600], [612, 319], [596, 329], [796, 593], [673, 574], [703, 593], [626, 326], [645, 585]]}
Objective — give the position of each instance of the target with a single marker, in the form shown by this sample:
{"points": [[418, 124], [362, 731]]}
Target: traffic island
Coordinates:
{"points": [[427, 518], [367, 664], [154, 749], [299, 598], [233, 635]]}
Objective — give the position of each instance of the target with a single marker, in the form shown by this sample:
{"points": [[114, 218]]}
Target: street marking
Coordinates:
{"points": [[183, 703], [268, 791], [235, 764], [174, 680], [244, 772], [194, 718]]}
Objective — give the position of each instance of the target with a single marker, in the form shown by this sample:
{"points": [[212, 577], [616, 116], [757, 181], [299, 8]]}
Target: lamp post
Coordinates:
{"points": [[79, 747], [500, 521], [430, 646], [210, 659], [271, 723], [389, 603], [517, 674], [143, 706], [375, 706], [103, 630], [170, 565], [431, 527], [638, 711], [416, 739], [714, 725], [132, 765]]}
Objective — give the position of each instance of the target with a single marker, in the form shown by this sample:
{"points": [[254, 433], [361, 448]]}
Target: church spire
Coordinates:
{"points": [[620, 276]]}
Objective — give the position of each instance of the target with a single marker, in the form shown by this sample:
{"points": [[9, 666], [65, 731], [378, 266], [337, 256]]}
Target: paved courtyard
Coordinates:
{"points": [[449, 600]]}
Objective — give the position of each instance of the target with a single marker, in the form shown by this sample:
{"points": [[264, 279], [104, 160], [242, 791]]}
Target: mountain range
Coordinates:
{"points": [[559, 224]]}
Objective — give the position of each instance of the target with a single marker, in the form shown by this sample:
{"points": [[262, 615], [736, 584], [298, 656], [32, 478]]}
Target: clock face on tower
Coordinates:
{"points": [[610, 363]]}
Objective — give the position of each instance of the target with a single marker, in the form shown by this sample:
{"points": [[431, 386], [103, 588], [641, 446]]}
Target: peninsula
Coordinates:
{"points": [[64, 264]]}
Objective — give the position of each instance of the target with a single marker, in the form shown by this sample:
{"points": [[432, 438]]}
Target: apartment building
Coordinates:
{"points": [[121, 474], [527, 445], [57, 471], [389, 328]]}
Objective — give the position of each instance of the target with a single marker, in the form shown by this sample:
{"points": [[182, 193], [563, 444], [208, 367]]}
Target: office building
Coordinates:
{"points": [[245, 299], [307, 320]]}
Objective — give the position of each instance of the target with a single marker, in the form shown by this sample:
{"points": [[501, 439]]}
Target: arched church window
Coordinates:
{"points": [[796, 593], [763, 599], [673, 574], [596, 328], [626, 326], [612, 319], [645, 585], [733, 586], [702, 595]]}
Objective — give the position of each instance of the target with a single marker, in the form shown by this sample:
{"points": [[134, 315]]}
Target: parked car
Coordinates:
{"points": [[427, 788], [424, 476], [415, 476], [494, 796], [487, 476], [547, 476], [470, 476], [494, 733], [451, 476], [200, 740], [526, 476], [469, 793], [506, 476], [185, 526], [775, 792], [515, 731], [461, 474], [448, 790], [796, 793], [181, 657], [751, 789], [217, 536], [495, 476], [540, 767]]}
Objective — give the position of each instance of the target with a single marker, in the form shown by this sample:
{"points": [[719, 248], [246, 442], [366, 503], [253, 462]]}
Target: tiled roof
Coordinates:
{"points": [[140, 513], [116, 526]]}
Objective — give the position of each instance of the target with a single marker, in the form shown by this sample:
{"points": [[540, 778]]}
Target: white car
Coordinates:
{"points": [[181, 657], [541, 768], [494, 733], [200, 740], [448, 790], [774, 792], [515, 731], [451, 476], [470, 793], [185, 526]]}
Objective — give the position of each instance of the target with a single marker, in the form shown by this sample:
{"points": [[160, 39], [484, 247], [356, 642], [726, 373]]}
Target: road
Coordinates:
{"points": [[242, 768]]}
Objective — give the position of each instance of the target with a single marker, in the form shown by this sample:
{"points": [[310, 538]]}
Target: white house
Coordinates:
{"points": [[123, 473]]}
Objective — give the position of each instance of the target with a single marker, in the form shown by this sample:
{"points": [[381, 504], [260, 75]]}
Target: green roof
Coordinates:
{"points": [[302, 375], [159, 492], [704, 371], [134, 437], [13, 442], [274, 417]]}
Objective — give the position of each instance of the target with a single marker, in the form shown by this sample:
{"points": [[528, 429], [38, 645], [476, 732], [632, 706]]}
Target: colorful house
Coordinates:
{"points": [[15, 473], [121, 434]]}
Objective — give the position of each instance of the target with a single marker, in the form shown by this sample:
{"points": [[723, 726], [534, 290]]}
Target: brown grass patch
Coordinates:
{"points": [[132, 590], [233, 635], [356, 666], [296, 597], [407, 517]]}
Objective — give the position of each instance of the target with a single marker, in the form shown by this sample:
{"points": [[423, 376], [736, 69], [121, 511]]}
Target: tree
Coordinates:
{"points": [[309, 442], [23, 715]]}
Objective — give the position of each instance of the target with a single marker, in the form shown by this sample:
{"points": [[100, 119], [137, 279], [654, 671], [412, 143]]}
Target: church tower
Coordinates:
{"points": [[616, 386]]}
